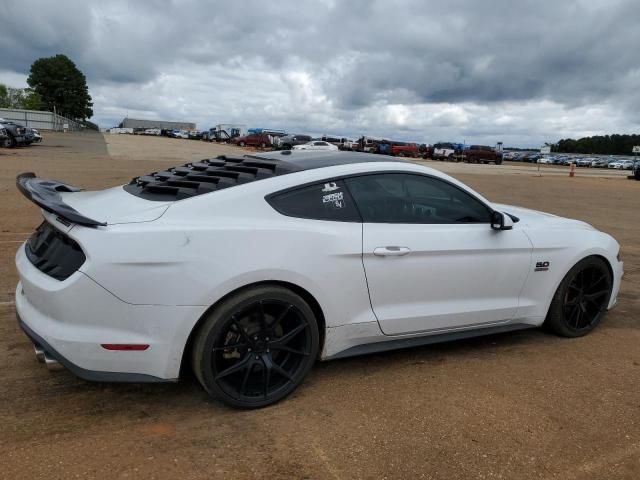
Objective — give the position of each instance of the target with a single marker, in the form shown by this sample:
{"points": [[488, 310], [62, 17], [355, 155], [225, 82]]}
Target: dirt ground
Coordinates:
{"points": [[520, 405]]}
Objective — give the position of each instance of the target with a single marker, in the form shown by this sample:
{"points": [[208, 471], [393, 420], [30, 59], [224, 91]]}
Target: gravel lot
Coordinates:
{"points": [[521, 405]]}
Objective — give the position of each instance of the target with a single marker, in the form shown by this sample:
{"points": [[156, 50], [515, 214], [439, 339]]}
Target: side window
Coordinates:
{"points": [[406, 198], [321, 201]]}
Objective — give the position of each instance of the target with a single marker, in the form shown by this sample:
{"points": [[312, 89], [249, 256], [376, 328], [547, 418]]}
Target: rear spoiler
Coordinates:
{"points": [[46, 194]]}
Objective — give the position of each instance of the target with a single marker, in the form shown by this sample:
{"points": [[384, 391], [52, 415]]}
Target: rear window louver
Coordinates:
{"points": [[205, 176]]}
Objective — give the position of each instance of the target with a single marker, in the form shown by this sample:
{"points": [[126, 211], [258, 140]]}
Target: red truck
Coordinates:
{"points": [[261, 140], [482, 154], [399, 149]]}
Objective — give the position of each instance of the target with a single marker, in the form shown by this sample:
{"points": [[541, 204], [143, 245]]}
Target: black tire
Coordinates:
{"points": [[241, 144], [581, 300], [498, 161], [256, 347], [13, 143]]}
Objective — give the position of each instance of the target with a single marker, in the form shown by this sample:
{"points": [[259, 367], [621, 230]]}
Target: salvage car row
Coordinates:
{"points": [[13, 134]]}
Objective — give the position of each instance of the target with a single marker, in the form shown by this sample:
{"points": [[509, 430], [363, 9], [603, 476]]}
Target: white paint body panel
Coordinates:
{"points": [[157, 267]]}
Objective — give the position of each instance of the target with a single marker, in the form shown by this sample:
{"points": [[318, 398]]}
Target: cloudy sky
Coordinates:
{"points": [[520, 71]]}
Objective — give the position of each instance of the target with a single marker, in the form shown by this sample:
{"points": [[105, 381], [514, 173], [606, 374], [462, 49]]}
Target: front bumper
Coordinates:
{"points": [[618, 273], [70, 319]]}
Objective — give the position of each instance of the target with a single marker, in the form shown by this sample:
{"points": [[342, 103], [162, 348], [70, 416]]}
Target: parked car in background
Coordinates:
{"points": [[446, 151], [600, 163], [546, 160], [261, 140], [33, 135], [17, 133], [4, 137], [316, 145], [636, 170], [180, 134], [289, 141], [152, 131], [342, 143], [195, 135], [584, 162], [482, 154], [622, 165]]}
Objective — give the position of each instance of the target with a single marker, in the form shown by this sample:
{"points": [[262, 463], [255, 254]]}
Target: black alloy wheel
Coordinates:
{"points": [[581, 299], [256, 348]]}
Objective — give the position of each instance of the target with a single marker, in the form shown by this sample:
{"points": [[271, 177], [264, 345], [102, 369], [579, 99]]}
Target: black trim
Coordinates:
{"points": [[89, 375], [411, 342], [46, 194], [383, 172], [54, 253], [272, 200]]}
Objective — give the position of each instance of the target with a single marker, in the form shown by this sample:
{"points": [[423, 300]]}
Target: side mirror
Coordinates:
{"points": [[501, 221]]}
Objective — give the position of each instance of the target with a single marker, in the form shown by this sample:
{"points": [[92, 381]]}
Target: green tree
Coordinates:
{"points": [[24, 98], [4, 93], [61, 85], [600, 144]]}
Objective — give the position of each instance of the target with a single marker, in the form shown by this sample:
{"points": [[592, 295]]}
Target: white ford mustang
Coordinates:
{"points": [[251, 268]]}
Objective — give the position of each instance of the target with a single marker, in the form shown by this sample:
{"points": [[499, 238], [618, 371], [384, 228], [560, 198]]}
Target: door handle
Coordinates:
{"points": [[391, 251]]}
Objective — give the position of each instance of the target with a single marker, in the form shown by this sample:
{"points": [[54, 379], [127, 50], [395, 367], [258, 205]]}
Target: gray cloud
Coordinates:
{"points": [[408, 68]]}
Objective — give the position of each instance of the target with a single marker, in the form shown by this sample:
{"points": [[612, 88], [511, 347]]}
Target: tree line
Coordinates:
{"points": [[599, 144], [55, 84]]}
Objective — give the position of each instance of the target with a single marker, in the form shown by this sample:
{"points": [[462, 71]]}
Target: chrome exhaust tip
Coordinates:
{"points": [[52, 364], [39, 353]]}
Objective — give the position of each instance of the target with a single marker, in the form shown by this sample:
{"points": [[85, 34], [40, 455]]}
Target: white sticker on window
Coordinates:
{"points": [[336, 198], [330, 187]]}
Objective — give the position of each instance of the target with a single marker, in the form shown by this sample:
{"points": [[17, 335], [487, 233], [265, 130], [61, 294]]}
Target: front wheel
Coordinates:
{"points": [[256, 347], [581, 299]]}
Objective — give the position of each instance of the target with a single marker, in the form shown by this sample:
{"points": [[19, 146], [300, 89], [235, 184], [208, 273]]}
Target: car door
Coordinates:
{"points": [[431, 259]]}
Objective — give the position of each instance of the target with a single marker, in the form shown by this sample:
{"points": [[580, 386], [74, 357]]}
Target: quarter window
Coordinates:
{"points": [[406, 198], [322, 201]]}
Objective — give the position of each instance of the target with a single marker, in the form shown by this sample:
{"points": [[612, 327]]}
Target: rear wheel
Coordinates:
{"points": [[581, 299], [256, 347]]}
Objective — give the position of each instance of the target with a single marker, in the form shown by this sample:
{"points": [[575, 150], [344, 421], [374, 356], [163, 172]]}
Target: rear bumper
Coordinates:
{"points": [[90, 375], [71, 319]]}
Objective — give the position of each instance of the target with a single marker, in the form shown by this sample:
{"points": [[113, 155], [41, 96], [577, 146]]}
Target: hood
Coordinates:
{"points": [[535, 218], [115, 206]]}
